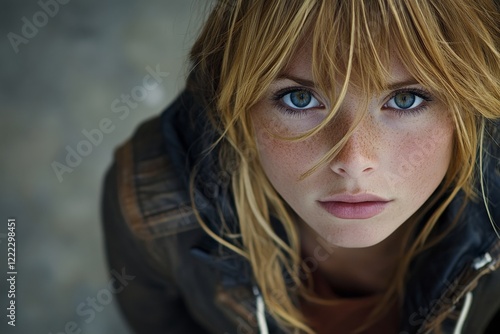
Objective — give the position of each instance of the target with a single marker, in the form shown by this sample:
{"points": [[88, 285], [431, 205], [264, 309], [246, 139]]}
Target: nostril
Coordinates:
{"points": [[352, 171]]}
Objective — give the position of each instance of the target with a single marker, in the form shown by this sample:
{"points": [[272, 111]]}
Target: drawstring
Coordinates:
{"points": [[478, 264], [463, 314], [261, 316]]}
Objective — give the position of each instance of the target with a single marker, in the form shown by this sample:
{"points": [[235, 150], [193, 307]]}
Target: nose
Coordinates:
{"points": [[358, 157]]}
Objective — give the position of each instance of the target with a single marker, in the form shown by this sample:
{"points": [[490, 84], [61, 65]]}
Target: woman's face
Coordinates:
{"points": [[392, 163]]}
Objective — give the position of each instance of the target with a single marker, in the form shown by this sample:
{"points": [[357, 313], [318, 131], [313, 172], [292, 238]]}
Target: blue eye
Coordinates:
{"points": [[405, 101], [300, 99]]}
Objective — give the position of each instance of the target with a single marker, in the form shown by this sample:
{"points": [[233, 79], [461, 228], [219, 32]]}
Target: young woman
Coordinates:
{"points": [[331, 167]]}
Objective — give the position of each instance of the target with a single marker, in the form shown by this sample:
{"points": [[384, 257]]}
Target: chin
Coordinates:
{"points": [[348, 243], [353, 235]]}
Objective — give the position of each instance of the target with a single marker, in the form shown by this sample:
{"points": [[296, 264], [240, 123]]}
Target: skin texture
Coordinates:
{"points": [[402, 158]]}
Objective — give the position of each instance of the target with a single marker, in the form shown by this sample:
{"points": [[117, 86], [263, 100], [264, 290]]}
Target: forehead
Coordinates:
{"points": [[301, 65]]}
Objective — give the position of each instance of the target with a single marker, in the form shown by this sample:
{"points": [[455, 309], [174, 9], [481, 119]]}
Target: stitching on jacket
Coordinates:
{"points": [[126, 191], [150, 195], [161, 195]]}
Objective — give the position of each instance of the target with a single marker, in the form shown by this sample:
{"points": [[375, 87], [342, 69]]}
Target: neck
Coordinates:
{"points": [[355, 271]]}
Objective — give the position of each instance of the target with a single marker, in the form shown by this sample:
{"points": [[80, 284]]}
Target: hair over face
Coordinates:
{"points": [[449, 46]]}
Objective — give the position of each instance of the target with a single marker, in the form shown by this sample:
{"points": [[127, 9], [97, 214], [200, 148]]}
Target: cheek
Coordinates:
{"points": [[423, 159], [283, 161]]}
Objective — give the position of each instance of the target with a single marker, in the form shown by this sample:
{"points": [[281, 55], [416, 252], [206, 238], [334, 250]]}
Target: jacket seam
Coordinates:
{"points": [[126, 189]]}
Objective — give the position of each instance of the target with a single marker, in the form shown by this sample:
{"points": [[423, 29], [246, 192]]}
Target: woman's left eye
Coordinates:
{"points": [[300, 99], [405, 101]]}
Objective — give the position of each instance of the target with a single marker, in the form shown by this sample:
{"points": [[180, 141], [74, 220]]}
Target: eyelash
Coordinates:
{"points": [[298, 113]]}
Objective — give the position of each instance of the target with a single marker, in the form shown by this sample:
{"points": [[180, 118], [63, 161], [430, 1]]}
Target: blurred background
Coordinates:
{"points": [[65, 66]]}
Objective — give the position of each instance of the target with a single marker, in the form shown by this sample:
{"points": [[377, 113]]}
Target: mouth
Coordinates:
{"points": [[360, 210], [347, 206]]}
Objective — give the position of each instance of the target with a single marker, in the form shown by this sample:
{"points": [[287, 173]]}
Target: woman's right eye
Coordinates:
{"points": [[300, 99]]}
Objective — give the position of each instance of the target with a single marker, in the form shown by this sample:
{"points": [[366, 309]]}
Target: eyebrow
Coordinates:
{"points": [[310, 83], [399, 84], [301, 81]]}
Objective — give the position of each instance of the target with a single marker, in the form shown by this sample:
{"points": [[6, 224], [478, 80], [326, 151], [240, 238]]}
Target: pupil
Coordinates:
{"points": [[300, 98], [404, 100]]}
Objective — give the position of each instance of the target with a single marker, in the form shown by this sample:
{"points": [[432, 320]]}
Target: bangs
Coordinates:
{"points": [[355, 41], [351, 44], [450, 47]]}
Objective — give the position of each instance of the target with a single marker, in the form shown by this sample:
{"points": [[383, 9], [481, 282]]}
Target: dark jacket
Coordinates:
{"points": [[186, 283]]}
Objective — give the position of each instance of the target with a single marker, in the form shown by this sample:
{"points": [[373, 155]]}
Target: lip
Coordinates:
{"points": [[347, 206]]}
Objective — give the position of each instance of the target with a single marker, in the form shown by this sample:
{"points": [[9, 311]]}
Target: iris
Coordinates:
{"points": [[404, 100], [300, 98]]}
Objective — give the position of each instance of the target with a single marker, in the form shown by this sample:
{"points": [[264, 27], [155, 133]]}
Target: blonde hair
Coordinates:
{"points": [[449, 46]]}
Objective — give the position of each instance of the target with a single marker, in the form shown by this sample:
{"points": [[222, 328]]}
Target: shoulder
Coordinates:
{"points": [[153, 201], [148, 220], [146, 206], [146, 190]]}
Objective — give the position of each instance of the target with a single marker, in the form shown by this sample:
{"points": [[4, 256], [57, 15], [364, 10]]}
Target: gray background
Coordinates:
{"points": [[63, 81]]}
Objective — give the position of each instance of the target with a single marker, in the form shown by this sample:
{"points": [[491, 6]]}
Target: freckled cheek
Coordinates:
{"points": [[274, 151], [422, 161], [283, 160]]}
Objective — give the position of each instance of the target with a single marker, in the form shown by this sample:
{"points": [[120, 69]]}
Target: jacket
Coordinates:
{"points": [[185, 282]]}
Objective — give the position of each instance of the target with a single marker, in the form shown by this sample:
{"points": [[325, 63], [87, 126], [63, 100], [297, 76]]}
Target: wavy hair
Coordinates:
{"points": [[449, 46]]}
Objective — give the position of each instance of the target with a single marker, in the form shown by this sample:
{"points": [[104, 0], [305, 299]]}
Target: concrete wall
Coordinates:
{"points": [[59, 79]]}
